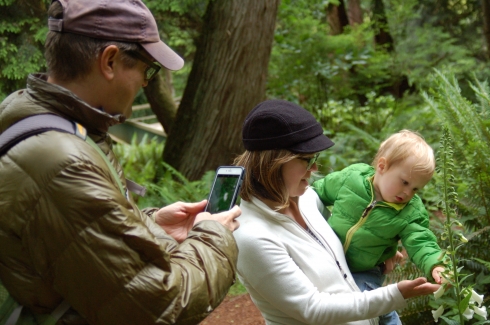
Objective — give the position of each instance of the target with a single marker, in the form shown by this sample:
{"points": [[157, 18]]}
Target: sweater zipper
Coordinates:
{"points": [[354, 228], [324, 244]]}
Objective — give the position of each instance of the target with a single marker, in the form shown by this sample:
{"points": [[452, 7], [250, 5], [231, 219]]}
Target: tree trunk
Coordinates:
{"points": [[227, 80], [337, 18], [160, 95], [354, 12], [383, 36], [486, 23]]}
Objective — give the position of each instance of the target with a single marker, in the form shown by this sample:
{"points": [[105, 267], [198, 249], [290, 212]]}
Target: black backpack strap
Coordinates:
{"points": [[37, 124]]}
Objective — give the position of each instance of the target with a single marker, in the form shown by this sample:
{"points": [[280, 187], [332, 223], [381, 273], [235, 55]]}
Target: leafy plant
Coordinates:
{"points": [[468, 123], [458, 303], [140, 161], [143, 164], [23, 30], [172, 186]]}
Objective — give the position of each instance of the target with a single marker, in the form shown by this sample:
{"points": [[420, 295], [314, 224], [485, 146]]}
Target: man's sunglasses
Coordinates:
{"points": [[152, 68], [310, 161]]}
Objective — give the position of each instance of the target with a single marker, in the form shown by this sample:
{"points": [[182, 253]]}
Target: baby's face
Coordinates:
{"points": [[399, 183]]}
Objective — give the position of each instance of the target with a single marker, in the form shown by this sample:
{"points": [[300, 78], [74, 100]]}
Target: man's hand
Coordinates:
{"points": [[391, 263], [177, 219], [417, 287], [226, 218]]}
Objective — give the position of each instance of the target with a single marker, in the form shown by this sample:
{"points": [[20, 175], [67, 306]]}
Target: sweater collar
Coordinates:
{"points": [[264, 209], [67, 104]]}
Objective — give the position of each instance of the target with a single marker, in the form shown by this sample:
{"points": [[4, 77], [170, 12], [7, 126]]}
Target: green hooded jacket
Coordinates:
{"points": [[68, 233], [371, 239]]}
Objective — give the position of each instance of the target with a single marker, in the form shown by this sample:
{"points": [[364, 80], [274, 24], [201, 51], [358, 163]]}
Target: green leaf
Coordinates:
{"points": [[449, 321], [464, 303]]}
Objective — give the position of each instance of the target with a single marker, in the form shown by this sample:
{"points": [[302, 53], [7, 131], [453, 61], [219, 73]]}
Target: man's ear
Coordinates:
{"points": [[382, 165], [107, 61]]}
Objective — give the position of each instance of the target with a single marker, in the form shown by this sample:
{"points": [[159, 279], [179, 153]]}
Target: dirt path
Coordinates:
{"points": [[238, 310]]}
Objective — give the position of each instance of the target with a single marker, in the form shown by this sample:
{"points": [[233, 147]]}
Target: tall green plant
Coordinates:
{"points": [[467, 121], [459, 303]]}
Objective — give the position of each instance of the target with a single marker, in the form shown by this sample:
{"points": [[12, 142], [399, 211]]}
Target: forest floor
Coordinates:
{"points": [[238, 310]]}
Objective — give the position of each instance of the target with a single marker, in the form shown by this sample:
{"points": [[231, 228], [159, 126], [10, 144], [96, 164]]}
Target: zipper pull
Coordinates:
{"points": [[369, 208], [341, 271]]}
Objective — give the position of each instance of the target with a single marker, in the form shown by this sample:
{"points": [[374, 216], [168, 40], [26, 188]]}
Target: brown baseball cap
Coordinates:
{"points": [[116, 20]]}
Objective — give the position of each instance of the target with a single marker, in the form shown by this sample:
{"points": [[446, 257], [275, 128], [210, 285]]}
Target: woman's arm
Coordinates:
{"points": [[276, 278]]}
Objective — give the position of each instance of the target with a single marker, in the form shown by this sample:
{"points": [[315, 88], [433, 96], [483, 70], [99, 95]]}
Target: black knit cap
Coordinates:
{"points": [[279, 124]]}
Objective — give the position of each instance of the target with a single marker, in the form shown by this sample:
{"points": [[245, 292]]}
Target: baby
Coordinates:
{"points": [[376, 206]]}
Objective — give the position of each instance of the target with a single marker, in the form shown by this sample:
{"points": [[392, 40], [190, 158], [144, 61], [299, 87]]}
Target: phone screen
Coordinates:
{"points": [[224, 193]]}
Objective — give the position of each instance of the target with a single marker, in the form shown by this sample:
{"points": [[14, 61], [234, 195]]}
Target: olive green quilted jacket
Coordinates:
{"points": [[67, 232]]}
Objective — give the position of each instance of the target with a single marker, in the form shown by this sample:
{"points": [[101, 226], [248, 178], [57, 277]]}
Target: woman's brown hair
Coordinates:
{"points": [[263, 175]]}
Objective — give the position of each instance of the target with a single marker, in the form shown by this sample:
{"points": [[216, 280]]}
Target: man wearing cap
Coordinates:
{"points": [[69, 233]]}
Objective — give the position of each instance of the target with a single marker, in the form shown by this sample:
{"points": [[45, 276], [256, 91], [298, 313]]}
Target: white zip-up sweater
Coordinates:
{"points": [[293, 279]]}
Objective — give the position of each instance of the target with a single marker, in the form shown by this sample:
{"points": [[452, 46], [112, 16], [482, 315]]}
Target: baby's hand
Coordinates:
{"points": [[393, 262], [436, 274]]}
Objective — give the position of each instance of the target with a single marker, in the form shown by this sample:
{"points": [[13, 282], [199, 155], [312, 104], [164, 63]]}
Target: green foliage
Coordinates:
{"points": [[142, 163], [180, 23], [465, 133], [358, 129], [237, 289], [311, 67], [172, 186], [23, 30], [178, 6], [468, 124], [455, 299], [141, 160], [423, 43]]}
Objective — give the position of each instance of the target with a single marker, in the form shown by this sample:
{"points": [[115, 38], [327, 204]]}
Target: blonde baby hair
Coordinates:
{"points": [[404, 144]]}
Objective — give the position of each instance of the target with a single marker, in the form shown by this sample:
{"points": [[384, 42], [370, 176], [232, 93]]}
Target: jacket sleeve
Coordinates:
{"points": [[421, 243], [98, 252], [328, 187]]}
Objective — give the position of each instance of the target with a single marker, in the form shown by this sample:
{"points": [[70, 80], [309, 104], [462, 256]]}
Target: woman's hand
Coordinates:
{"points": [[417, 287]]}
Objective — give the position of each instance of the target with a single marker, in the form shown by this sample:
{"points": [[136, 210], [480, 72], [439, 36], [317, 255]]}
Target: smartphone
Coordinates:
{"points": [[225, 189]]}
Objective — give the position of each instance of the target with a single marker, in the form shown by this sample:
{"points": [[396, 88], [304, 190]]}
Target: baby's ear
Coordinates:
{"points": [[382, 165]]}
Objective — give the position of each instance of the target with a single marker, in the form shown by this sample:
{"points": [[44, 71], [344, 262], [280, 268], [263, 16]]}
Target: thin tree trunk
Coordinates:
{"points": [[160, 95], [486, 23], [354, 12], [227, 80], [337, 18], [383, 36]]}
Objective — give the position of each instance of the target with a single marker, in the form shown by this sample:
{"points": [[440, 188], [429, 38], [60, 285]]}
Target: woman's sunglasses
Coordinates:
{"points": [[310, 161]]}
